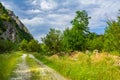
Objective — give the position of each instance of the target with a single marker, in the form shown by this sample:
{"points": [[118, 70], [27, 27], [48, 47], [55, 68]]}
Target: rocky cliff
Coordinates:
{"points": [[11, 28]]}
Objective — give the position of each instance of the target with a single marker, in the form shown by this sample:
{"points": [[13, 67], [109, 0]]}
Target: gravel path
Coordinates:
{"points": [[48, 72], [23, 71]]}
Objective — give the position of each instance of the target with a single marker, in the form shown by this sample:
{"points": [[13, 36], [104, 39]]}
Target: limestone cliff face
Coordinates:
{"points": [[10, 33], [11, 28]]}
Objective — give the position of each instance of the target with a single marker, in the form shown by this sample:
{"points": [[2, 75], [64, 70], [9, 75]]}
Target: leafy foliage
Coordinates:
{"points": [[75, 38], [6, 45], [31, 46], [53, 41], [80, 38], [2, 9], [112, 35], [24, 45], [95, 41], [3, 13]]}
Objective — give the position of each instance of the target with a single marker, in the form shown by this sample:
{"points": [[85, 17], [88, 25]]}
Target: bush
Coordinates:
{"points": [[6, 45], [32, 46], [23, 45]]}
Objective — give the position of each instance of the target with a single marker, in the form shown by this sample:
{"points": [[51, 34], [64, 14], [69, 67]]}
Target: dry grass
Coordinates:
{"points": [[82, 66]]}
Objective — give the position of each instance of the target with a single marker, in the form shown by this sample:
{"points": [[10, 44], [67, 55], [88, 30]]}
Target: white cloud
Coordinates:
{"points": [[103, 10], [59, 21], [86, 2], [34, 2], [44, 4], [33, 11], [99, 10], [64, 10], [48, 5], [33, 22]]}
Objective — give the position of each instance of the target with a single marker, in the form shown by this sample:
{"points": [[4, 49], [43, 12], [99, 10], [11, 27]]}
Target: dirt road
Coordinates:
{"points": [[23, 71]]}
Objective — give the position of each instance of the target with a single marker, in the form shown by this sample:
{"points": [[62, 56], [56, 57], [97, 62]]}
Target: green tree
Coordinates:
{"points": [[66, 40], [6, 45], [53, 41], [75, 38], [24, 45], [34, 46], [112, 35], [95, 42]]}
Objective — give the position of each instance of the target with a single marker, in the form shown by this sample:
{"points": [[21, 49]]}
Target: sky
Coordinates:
{"points": [[41, 15]]}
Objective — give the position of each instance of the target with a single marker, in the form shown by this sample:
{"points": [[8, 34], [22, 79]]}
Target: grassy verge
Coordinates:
{"points": [[7, 64], [84, 67]]}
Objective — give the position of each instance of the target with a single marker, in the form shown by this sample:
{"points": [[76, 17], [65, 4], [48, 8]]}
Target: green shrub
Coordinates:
{"points": [[6, 45], [33, 46]]}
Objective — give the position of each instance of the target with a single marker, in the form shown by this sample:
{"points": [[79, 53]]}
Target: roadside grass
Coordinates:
{"points": [[84, 67], [7, 64]]}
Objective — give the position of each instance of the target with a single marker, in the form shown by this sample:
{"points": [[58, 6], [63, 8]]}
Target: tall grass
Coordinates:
{"points": [[7, 64], [84, 67]]}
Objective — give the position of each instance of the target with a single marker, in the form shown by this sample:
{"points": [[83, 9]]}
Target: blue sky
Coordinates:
{"points": [[40, 15]]}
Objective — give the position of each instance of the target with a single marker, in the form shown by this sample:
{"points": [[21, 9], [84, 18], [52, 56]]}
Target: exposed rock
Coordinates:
{"points": [[11, 28], [19, 23], [10, 32]]}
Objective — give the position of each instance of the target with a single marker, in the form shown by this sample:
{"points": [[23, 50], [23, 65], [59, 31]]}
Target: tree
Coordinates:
{"points": [[52, 41], [6, 45], [75, 38], [112, 35], [33, 46], [95, 42], [24, 45], [66, 40]]}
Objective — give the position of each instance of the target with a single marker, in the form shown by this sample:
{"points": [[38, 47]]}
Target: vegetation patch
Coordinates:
{"points": [[84, 67], [7, 64]]}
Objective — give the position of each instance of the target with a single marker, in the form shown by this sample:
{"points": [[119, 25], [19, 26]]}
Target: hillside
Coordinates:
{"points": [[11, 28]]}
